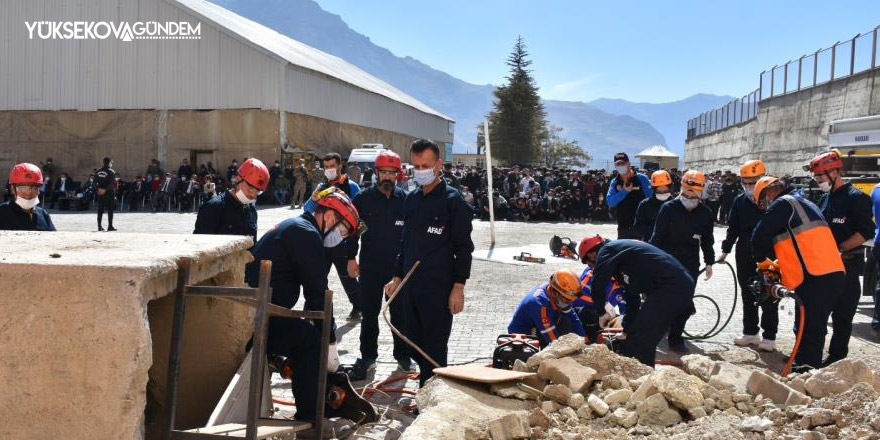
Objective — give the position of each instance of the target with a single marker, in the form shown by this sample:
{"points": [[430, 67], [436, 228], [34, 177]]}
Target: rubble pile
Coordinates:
{"points": [[590, 392]]}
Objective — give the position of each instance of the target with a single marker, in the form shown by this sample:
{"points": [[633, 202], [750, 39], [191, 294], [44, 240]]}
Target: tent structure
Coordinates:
{"points": [[656, 157]]}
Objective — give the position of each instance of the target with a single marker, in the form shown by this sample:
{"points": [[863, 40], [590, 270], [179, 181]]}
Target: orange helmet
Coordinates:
{"points": [[566, 283], [753, 168], [764, 183], [255, 173], [693, 180], [660, 178], [588, 244], [339, 202], [388, 159], [825, 162], [25, 174]]}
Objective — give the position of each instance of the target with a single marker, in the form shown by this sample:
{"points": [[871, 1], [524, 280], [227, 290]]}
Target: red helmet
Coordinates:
{"points": [[340, 203], [388, 159], [255, 173], [588, 244], [25, 174], [825, 162]]}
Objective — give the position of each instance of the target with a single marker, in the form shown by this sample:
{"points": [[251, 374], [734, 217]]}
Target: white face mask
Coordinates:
{"points": [[423, 177], [622, 169], [27, 204], [239, 194], [689, 204], [825, 187], [330, 173], [750, 193], [662, 196], [333, 238]]}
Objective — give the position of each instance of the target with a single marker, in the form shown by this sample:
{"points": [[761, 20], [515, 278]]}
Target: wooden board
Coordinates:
{"points": [[232, 407], [479, 373], [265, 428]]}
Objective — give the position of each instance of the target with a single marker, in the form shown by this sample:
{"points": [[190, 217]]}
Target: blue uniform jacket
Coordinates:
{"points": [[615, 196], [436, 231], [225, 215], [296, 248], [614, 294], [14, 218], [384, 219], [535, 312]]}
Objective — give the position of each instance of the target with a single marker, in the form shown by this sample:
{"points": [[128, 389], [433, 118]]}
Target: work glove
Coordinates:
{"points": [[605, 320], [332, 359]]}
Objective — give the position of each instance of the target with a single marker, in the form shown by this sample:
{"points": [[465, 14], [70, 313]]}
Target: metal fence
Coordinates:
{"points": [[841, 60]]}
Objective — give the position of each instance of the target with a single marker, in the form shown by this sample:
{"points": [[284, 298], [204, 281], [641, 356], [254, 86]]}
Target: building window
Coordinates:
{"points": [[451, 127]]}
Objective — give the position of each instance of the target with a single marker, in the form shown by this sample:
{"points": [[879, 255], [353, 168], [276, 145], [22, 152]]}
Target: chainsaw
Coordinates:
{"points": [[528, 258]]}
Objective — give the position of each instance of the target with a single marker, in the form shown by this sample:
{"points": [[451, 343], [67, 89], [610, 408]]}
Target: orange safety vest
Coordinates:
{"points": [[807, 244]]}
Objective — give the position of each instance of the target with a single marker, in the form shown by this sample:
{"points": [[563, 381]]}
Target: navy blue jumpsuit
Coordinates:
{"points": [[667, 286], [646, 216], [225, 215], [384, 219], [437, 232], [14, 218], [296, 248]]}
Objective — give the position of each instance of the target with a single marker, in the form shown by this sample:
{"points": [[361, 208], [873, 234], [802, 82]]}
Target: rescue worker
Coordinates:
{"points": [[346, 267], [744, 215], [642, 269], [793, 231], [381, 209], [234, 212], [296, 248], [436, 232], [547, 310], [848, 212], [105, 181], [646, 213], [875, 250], [625, 192], [615, 304], [685, 226], [22, 213]]}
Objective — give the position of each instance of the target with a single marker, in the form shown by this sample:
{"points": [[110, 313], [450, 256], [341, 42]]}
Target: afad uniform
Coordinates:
{"points": [[14, 218], [225, 215], [794, 231], [646, 216], [585, 307], [535, 315]]}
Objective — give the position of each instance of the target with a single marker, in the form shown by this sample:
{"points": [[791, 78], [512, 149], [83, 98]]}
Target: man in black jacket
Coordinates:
{"points": [[22, 213], [646, 213], [233, 211], [105, 181]]}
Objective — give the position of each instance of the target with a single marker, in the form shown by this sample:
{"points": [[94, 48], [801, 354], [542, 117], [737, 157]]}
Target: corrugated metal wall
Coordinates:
{"points": [[219, 71]]}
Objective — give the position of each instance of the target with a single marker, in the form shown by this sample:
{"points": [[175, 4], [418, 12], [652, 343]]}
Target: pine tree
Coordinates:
{"points": [[517, 121]]}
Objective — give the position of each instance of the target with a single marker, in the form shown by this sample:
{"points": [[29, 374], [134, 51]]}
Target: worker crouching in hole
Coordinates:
{"points": [[641, 269], [547, 311]]}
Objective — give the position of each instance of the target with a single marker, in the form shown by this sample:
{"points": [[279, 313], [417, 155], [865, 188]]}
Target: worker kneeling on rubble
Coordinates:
{"points": [[296, 248], [641, 268], [793, 231], [22, 213], [593, 319], [547, 310]]}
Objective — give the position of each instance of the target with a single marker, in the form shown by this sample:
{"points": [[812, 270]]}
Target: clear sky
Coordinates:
{"points": [[645, 51]]}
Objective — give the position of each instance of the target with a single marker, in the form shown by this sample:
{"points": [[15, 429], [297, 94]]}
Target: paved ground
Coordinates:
{"points": [[496, 287]]}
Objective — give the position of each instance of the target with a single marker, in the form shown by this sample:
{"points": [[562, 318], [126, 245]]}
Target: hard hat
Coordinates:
{"points": [[660, 178], [388, 159], [693, 180], [764, 183], [255, 173], [25, 174], [590, 243], [339, 202], [825, 162], [753, 168], [566, 283]]}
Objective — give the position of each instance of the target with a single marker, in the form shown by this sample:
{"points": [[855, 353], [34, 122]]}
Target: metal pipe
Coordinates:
{"points": [[833, 59], [800, 70], [815, 67], [874, 49], [852, 55]]}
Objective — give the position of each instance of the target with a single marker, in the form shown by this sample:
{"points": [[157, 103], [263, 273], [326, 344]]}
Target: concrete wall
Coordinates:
{"points": [[789, 130], [78, 140]]}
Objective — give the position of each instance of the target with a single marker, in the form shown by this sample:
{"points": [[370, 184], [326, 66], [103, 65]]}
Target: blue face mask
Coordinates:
{"points": [[423, 177]]}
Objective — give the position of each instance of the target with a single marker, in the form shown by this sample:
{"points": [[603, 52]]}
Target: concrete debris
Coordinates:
{"points": [[778, 392], [559, 393], [615, 382], [564, 346], [550, 406], [539, 419], [655, 410], [566, 371], [624, 417], [840, 377], [755, 424], [576, 400], [618, 397], [698, 365], [730, 376], [679, 388], [597, 405], [605, 362], [509, 389], [510, 427], [645, 390]]}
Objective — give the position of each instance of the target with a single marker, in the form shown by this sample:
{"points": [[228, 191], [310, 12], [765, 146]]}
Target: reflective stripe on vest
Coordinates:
{"points": [[545, 321], [807, 244]]}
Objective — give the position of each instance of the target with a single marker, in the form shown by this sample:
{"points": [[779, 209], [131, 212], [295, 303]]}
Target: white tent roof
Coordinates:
{"points": [[300, 54], [656, 151]]}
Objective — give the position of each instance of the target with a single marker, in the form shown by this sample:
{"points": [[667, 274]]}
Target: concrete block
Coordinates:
{"points": [[779, 393], [730, 376], [567, 371], [510, 427]]}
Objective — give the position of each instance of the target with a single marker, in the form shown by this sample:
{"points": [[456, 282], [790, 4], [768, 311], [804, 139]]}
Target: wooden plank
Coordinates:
{"points": [[265, 428], [232, 407], [482, 374]]}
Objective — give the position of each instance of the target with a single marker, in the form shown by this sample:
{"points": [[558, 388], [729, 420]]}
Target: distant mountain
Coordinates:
{"points": [[601, 134], [597, 130], [668, 118]]}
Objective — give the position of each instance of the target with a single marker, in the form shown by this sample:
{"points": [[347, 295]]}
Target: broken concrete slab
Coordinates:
{"points": [[840, 377], [566, 345], [510, 427], [678, 387], [655, 410], [779, 393], [730, 376], [698, 365], [566, 371]]}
